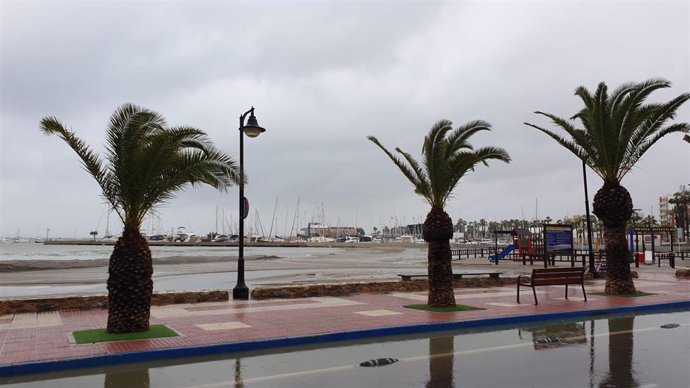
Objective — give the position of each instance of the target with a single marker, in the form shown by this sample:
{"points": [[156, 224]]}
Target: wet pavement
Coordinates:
{"points": [[37, 342]]}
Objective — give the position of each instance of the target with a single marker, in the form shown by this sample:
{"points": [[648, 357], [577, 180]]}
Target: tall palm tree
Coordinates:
{"points": [[618, 130], [147, 162], [447, 157], [681, 202]]}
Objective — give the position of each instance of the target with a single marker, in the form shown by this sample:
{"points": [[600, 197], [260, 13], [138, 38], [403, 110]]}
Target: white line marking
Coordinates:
{"points": [[222, 326], [311, 304], [377, 313]]}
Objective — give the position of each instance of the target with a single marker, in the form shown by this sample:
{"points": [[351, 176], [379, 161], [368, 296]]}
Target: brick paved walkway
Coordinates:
{"points": [[30, 338]]}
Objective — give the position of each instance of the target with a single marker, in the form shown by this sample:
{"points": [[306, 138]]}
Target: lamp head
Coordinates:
{"points": [[252, 129]]}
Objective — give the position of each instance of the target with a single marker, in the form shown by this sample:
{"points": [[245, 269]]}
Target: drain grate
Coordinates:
{"points": [[670, 326], [378, 362]]}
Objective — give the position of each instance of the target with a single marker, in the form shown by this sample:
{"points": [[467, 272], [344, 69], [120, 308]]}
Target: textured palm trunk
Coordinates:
{"points": [[130, 284], [613, 205], [438, 230]]}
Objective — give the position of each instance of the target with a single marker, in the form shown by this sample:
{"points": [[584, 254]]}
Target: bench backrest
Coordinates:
{"points": [[557, 276]]}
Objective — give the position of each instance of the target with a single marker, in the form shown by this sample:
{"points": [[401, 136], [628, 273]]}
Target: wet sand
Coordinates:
{"points": [[46, 277]]}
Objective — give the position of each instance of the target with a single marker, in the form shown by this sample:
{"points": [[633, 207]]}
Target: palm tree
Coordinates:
{"points": [[618, 130], [681, 200], [147, 162], [447, 157]]}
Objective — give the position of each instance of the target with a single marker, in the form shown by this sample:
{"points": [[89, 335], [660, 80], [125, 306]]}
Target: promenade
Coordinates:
{"points": [[38, 342]]}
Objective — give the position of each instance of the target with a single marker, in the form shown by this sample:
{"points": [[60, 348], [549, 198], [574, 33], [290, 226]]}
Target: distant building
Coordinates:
{"points": [[319, 230], [674, 215], [666, 216]]}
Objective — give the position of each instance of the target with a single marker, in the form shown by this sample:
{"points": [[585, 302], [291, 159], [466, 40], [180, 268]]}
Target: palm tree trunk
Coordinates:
{"points": [[619, 278], [130, 284], [613, 205], [438, 230]]}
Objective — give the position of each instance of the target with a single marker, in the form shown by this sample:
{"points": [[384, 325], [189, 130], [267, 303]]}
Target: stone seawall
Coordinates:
{"points": [[89, 302]]}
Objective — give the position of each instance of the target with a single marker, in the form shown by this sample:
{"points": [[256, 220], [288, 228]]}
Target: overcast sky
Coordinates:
{"points": [[322, 76]]}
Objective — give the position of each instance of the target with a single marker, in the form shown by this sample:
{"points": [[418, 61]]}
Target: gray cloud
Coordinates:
{"points": [[323, 76]]}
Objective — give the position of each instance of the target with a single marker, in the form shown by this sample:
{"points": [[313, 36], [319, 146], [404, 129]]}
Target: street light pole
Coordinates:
{"points": [[592, 269], [252, 129]]}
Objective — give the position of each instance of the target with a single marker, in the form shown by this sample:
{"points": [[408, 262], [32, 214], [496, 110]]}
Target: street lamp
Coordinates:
{"points": [[252, 129], [592, 270]]}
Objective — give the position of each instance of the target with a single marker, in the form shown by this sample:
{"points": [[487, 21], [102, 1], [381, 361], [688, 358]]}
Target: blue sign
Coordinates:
{"points": [[558, 238]]}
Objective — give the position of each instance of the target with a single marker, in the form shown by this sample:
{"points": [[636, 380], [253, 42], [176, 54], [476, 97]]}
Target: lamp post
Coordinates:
{"points": [[252, 129], [592, 270]]}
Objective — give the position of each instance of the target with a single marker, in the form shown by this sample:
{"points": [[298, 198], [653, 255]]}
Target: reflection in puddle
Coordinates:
{"points": [[602, 353], [620, 354], [135, 378], [441, 351]]}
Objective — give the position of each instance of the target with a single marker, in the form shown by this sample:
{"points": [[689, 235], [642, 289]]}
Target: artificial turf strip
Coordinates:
{"points": [[635, 295], [459, 307], [101, 335]]}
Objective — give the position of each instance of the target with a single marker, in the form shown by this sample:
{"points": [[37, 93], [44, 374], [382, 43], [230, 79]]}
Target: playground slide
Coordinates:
{"points": [[503, 253]]}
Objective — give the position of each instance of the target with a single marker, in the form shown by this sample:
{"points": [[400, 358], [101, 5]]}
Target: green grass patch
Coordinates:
{"points": [[426, 307], [635, 295], [101, 335]]}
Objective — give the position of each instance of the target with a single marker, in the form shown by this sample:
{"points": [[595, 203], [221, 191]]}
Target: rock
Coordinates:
{"points": [[683, 273]]}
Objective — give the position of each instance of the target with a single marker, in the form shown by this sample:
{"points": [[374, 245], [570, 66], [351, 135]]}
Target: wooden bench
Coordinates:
{"points": [[492, 274], [407, 278], [456, 276], [552, 277]]}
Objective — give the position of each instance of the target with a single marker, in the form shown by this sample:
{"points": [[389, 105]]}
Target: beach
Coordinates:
{"points": [[28, 269]]}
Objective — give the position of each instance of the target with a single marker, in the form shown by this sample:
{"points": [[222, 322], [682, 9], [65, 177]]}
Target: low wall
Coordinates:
{"points": [[344, 289], [89, 302]]}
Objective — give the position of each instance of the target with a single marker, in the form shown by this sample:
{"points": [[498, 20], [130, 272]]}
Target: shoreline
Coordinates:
{"points": [[45, 264]]}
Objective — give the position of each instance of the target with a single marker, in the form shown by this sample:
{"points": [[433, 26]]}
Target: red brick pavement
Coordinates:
{"points": [[48, 336]]}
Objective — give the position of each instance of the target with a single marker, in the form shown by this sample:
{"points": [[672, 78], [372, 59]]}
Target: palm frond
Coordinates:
{"points": [[458, 139], [148, 163], [423, 187], [620, 128], [89, 160], [446, 159], [409, 172]]}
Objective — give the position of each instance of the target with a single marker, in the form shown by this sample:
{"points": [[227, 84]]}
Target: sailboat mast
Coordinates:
{"points": [[270, 233]]}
